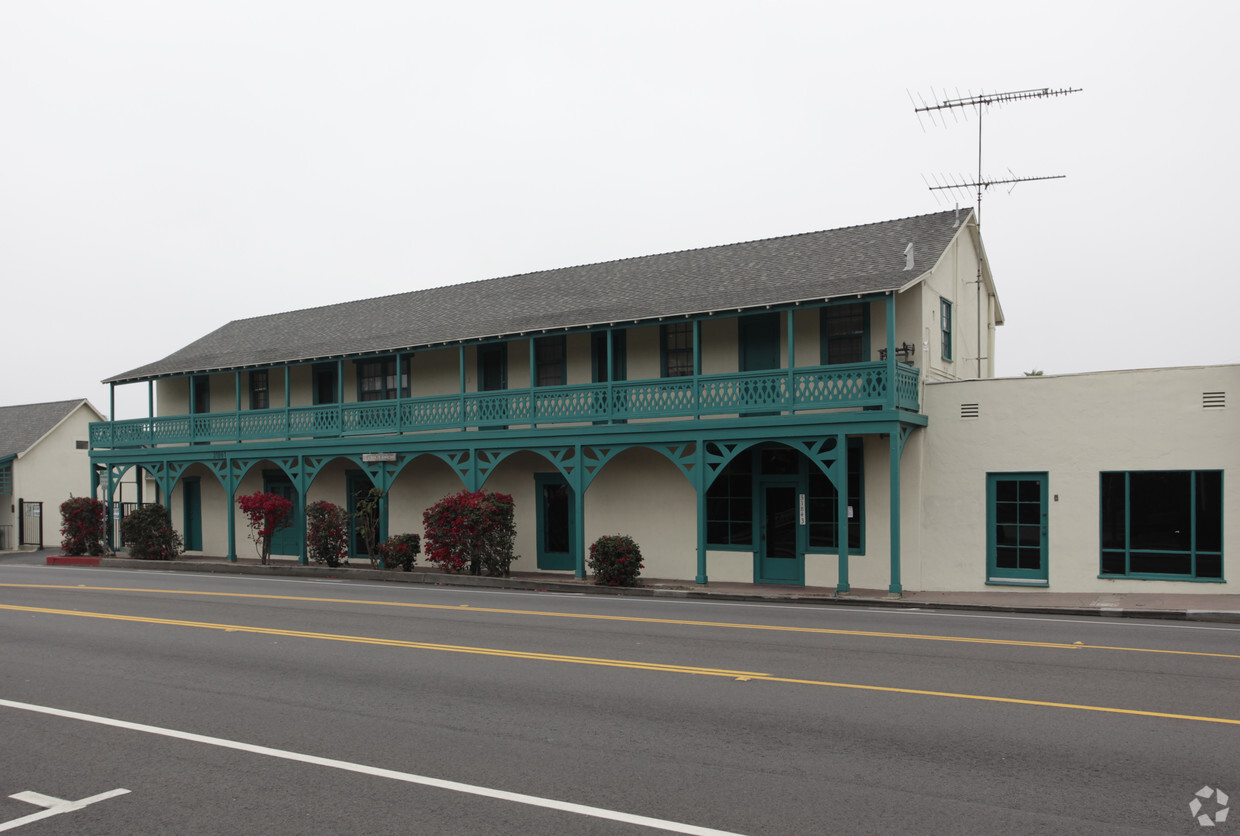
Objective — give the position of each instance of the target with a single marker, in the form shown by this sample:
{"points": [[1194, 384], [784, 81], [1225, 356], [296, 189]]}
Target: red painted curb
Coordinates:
{"points": [[65, 560]]}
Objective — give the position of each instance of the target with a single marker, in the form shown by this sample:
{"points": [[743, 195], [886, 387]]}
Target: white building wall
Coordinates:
{"points": [[51, 471], [1072, 427]]}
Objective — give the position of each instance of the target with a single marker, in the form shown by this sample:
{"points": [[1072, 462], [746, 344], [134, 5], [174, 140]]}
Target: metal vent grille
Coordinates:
{"points": [[970, 410], [1213, 400], [82, 445]]}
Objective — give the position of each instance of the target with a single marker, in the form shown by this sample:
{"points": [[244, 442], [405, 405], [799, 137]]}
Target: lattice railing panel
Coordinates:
{"points": [[430, 413], [570, 403], [263, 423], [653, 400], [370, 418]]}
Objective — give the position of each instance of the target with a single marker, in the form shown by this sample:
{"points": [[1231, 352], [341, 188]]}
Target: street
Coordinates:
{"points": [[229, 704]]}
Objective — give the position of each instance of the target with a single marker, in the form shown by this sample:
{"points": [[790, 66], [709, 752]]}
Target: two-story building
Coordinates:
{"points": [[816, 409]]}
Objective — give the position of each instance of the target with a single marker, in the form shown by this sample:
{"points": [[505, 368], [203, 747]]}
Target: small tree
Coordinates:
{"points": [[474, 529], [400, 551], [266, 513], [327, 533], [615, 560], [149, 535], [81, 525], [366, 518]]}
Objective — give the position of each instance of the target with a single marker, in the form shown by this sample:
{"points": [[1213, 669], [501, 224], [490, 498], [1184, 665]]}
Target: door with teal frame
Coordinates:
{"points": [[284, 541], [1016, 529], [555, 522], [781, 554], [191, 499]]}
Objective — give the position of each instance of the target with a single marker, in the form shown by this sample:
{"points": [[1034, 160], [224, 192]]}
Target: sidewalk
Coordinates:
{"points": [[1190, 606]]}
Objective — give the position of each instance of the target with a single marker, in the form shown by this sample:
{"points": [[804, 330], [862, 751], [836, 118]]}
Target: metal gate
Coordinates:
{"points": [[30, 523]]}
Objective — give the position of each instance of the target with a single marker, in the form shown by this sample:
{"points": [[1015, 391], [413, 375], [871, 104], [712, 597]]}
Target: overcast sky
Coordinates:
{"points": [[166, 167]]}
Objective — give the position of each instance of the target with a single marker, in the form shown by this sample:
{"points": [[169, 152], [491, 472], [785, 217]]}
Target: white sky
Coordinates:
{"points": [[166, 167]]}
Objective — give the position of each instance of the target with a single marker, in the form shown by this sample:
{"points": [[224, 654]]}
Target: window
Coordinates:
{"points": [[6, 478], [1162, 524], [549, 364], [945, 323], [729, 505], [843, 334], [258, 390], [822, 519], [324, 376], [677, 345], [377, 379]]}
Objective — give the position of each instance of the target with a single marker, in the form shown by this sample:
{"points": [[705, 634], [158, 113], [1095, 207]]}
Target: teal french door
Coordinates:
{"points": [[1016, 529], [555, 522], [285, 541], [780, 554], [191, 498]]}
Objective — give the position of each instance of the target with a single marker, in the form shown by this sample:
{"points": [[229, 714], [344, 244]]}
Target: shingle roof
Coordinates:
{"points": [[22, 426], [796, 268]]}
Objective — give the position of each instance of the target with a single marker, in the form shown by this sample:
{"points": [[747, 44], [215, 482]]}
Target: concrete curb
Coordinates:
{"points": [[584, 588]]}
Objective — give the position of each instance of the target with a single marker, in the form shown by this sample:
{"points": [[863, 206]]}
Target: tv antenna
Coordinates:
{"points": [[940, 106]]}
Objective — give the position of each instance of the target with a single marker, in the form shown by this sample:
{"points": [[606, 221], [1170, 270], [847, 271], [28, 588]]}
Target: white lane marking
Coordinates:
{"points": [[55, 806], [363, 769]]}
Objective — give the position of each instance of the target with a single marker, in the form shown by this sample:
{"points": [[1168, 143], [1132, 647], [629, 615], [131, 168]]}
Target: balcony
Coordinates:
{"points": [[851, 386]]}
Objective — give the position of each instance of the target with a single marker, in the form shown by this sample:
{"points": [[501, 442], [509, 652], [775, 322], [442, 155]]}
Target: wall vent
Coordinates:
{"points": [[970, 410], [82, 445], [1213, 400]]}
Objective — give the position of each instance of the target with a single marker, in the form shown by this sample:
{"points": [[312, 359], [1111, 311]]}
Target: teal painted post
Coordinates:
{"points": [[385, 485], [699, 485], [610, 375], [891, 351], [792, 361], [894, 587], [236, 421], [841, 512], [578, 483], [461, 358], [697, 368], [533, 380], [288, 429], [111, 401], [230, 488], [107, 504], [150, 399], [340, 397]]}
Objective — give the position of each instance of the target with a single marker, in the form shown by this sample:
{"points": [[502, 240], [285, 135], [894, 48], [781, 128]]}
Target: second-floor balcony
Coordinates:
{"points": [[770, 393]]}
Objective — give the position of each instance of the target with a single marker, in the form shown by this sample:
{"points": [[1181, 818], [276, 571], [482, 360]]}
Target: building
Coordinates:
{"points": [[43, 459], [762, 412]]}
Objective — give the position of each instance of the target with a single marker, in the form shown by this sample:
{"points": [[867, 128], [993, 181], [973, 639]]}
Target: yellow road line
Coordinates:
{"points": [[748, 676], [630, 619]]}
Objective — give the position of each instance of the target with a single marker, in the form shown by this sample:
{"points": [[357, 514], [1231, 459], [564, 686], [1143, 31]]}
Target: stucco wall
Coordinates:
{"points": [[51, 471], [1072, 427]]}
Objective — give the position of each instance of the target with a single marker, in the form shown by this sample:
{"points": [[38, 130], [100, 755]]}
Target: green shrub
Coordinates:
{"points": [[615, 560], [82, 527], [327, 533], [399, 551], [471, 529], [149, 535]]}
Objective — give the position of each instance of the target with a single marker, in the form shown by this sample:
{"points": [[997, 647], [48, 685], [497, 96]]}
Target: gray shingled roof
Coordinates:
{"points": [[22, 426], [795, 268]]}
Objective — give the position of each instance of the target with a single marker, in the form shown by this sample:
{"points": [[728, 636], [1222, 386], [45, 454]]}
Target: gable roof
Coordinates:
{"points": [[22, 427], [795, 268]]}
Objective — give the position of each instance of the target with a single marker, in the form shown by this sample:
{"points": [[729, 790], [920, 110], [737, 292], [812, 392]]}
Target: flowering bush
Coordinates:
{"points": [[266, 513], [399, 551], [615, 560], [149, 535], [81, 525], [369, 509], [471, 529], [327, 533]]}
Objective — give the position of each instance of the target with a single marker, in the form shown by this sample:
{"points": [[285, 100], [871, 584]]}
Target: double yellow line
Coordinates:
{"points": [[744, 676]]}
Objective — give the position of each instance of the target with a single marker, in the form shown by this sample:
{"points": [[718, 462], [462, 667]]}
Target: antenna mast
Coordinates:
{"points": [[980, 102]]}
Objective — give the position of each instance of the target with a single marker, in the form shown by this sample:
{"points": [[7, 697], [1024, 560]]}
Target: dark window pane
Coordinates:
{"points": [[1006, 513], [1210, 512], [1030, 558], [779, 461], [1114, 518], [1155, 563], [1006, 558], [716, 532], [1160, 510], [1005, 535], [1209, 565], [1005, 490], [742, 534], [1030, 490], [1030, 513]]}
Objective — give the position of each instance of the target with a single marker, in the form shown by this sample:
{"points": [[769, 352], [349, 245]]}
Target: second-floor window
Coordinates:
{"points": [[677, 349], [843, 333], [259, 395], [549, 361], [379, 380], [945, 323]]}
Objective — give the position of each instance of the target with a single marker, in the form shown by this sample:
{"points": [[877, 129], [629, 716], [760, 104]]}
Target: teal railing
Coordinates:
{"points": [[855, 385]]}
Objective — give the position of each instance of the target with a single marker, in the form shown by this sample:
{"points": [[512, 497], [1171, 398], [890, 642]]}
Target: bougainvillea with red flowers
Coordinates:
{"points": [[615, 560], [327, 533], [81, 526], [265, 513], [471, 530], [149, 535], [399, 551]]}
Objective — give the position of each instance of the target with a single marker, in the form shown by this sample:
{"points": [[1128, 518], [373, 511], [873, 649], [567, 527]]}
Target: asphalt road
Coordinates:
{"points": [[227, 705]]}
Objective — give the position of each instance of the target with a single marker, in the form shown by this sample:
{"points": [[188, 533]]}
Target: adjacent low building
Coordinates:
{"points": [[815, 409]]}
